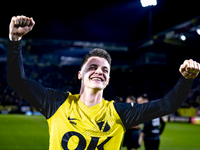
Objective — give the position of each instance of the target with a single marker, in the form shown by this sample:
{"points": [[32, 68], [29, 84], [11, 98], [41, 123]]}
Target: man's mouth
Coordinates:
{"points": [[97, 79]]}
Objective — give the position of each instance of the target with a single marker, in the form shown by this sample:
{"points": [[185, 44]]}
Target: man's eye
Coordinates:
{"points": [[92, 68], [105, 71]]}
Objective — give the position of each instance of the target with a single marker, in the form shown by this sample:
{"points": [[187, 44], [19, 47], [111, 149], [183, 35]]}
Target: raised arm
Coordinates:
{"points": [[45, 100], [134, 114]]}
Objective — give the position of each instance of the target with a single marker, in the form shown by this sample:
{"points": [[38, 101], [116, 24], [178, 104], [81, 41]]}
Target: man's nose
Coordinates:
{"points": [[98, 71]]}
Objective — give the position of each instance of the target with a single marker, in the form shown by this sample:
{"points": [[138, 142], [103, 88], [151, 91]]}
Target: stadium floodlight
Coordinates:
{"points": [[182, 37], [198, 31], [146, 3], [149, 3]]}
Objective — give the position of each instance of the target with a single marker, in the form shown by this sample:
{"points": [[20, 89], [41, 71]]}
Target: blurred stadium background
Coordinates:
{"points": [[142, 63]]}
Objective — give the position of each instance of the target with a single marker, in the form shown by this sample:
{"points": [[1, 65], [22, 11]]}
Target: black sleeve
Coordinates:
{"points": [[134, 114], [45, 100]]}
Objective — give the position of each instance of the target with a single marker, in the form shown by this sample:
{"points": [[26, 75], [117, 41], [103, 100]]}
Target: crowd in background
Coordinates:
{"points": [[123, 82]]}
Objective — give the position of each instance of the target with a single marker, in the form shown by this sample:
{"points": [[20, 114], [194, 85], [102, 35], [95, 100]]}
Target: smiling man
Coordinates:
{"points": [[95, 75], [86, 121]]}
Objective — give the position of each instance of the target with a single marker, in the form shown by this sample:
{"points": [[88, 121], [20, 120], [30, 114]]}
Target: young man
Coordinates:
{"points": [[86, 121]]}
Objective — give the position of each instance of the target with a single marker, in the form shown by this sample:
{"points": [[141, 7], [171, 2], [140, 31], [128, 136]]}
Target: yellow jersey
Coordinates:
{"points": [[74, 126]]}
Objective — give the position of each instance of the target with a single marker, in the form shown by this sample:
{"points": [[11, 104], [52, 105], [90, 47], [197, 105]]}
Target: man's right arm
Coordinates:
{"points": [[16, 76], [45, 100]]}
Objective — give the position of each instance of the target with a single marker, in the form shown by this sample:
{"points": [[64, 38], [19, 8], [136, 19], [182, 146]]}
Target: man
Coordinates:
{"points": [[131, 136], [152, 129], [151, 133], [85, 120]]}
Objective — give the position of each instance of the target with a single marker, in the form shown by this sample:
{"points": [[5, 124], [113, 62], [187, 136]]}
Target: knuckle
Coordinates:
{"points": [[189, 61], [13, 18]]}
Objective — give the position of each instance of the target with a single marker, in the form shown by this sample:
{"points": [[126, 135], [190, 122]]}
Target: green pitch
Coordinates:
{"points": [[179, 136], [20, 132]]}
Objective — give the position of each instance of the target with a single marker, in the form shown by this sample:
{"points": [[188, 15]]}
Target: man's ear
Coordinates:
{"points": [[79, 75]]}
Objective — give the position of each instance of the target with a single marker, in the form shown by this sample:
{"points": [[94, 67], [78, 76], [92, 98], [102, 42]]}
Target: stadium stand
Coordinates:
{"points": [[131, 80]]}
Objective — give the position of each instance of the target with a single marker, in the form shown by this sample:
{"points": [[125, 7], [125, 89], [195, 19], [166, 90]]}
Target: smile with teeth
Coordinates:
{"points": [[97, 79]]}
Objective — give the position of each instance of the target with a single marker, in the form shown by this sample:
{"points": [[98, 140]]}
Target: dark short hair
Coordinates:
{"points": [[132, 98], [144, 95], [118, 99], [97, 52]]}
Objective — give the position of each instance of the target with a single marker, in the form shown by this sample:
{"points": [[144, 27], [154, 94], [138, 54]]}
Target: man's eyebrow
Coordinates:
{"points": [[93, 65], [105, 67]]}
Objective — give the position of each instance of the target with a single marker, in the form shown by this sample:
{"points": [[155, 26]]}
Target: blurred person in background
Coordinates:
{"points": [[152, 129], [143, 98], [131, 136], [118, 99]]}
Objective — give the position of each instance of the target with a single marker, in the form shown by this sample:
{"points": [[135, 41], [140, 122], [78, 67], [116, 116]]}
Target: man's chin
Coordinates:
{"points": [[98, 87]]}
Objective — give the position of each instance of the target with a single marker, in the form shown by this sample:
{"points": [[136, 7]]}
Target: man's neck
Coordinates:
{"points": [[90, 98]]}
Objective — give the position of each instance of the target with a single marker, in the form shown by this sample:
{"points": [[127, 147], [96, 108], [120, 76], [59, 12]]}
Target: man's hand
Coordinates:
{"points": [[189, 69], [19, 26]]}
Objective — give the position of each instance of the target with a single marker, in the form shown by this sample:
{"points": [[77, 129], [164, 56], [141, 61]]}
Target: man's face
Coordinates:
{"points": [[128, 100], [141, 100], [95, 73]]}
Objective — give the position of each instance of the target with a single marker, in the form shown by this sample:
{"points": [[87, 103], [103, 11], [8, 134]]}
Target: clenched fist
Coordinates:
{"points": [[19, 26], [189, 69]]}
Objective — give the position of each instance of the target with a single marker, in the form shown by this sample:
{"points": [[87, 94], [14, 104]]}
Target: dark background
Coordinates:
{"points": [[113, 21], [152, 68]]}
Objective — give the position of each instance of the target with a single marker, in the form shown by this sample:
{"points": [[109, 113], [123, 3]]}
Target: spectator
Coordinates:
{"points": [[118, 99], [152, 130], [131, 136]]}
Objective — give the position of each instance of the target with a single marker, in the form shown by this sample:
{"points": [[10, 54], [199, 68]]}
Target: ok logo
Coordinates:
{"points": [[82, 142]]}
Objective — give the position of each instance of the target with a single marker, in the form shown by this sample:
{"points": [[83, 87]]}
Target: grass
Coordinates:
{"points": [[179, 136], [20, 132]]}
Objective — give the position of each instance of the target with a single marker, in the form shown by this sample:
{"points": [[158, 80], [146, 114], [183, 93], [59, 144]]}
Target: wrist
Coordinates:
{"points": [[14, 37]]}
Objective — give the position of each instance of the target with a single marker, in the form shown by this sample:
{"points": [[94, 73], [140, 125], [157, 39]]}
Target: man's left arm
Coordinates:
{"points": [[134, 114]]}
